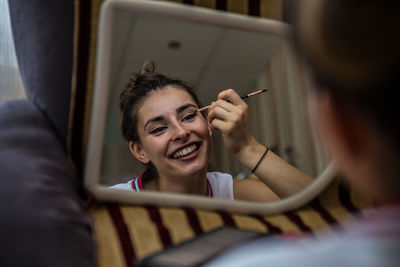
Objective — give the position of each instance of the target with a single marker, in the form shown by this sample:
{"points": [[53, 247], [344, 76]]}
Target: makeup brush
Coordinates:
{"points": [[242, 97]]}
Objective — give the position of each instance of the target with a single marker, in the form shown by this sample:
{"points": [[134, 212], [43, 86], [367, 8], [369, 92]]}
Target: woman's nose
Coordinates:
{"points": [[180, 132]]}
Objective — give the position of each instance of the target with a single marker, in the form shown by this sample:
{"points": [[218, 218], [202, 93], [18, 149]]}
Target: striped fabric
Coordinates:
{"points": [[126, 233]]}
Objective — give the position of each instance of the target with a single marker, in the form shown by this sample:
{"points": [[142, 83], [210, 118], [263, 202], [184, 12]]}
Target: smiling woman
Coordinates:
{"points": [[165, 131]]}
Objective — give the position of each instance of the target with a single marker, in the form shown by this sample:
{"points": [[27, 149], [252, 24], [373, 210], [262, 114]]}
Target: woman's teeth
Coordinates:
{"points": [[185, 151]]}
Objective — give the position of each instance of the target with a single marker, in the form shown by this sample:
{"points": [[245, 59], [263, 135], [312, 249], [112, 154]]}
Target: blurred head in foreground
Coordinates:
{"points": [[352, 48]]}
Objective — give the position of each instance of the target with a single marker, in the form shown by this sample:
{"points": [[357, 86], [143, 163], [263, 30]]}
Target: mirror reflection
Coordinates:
{"points": [[175, 139]]}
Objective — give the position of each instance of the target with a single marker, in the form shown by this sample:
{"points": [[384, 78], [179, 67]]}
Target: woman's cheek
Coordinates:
{"points": [[157, 143], [203, 124]]}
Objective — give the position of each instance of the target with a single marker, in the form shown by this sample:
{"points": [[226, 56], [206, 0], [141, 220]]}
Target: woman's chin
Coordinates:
{"points": [[192, 168], [192, 164]]}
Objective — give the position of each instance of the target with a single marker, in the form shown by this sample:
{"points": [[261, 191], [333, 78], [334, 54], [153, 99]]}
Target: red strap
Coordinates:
{"points": [[133, 184], [140, 183], [140, 180]]}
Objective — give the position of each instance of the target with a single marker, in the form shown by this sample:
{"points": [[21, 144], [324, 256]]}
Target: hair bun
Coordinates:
{"points": [[148, 68]]}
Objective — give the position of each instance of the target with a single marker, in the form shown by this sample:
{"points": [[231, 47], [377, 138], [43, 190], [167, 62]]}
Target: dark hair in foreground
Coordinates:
{"points": [[352, 47], [138, 88]]}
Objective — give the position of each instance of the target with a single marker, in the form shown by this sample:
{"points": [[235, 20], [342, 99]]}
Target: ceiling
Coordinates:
{"points": [[212, 58]]}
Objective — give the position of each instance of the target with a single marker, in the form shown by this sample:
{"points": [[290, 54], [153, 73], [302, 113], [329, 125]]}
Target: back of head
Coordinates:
{"points": [[352, 48]]}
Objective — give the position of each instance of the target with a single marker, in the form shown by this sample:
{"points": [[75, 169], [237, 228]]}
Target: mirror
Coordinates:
{"points": [[213, 51]]}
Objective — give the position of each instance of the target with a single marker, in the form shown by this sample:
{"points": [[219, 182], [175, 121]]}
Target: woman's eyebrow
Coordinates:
{"points": [[182, 108], [155, 119]]}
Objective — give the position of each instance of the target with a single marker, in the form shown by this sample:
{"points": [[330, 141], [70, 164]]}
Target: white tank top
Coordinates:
{"points": [[221, 185]]}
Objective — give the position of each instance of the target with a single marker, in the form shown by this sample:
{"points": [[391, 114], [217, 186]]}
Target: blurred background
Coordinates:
{"points": [[11, 86]]}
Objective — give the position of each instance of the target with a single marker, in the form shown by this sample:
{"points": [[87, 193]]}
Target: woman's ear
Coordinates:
{"points": [[138, 151]]}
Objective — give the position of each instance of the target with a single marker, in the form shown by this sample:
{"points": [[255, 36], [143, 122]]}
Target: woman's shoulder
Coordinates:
{"points": [[123, 186]]}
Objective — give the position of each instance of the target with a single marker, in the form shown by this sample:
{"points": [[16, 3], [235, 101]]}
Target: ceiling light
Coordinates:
{"points": [[174, 45]]}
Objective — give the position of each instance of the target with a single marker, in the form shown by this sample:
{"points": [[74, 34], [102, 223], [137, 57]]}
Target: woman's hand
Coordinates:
{"points": [[232, 119], [229, 114]]}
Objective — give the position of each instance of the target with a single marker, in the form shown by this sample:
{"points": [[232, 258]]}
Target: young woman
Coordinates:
{"points": [[166, 132]]}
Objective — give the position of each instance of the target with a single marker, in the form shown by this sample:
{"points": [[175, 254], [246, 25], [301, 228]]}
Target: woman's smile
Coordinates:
{"points": [[186, 152]]}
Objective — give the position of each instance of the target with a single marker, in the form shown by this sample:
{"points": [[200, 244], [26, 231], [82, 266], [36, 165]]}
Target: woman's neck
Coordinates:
{"points": [[195, 184]]}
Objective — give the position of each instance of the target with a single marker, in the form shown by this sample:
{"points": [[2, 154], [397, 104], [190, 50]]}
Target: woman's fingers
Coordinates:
{"points": [[220, 106], [222, 126], [226, 119], [217, 112], [231, 119], [231, 96], [233, 111]]}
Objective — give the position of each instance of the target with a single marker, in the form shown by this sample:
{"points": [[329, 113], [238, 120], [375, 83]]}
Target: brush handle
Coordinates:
{"points": [[242, 97]]}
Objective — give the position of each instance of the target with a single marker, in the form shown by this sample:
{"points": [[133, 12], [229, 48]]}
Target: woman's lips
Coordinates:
{"points": [[186, 152]]}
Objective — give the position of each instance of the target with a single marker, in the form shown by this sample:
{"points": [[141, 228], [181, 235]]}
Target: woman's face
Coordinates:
{"points": [[173, 136]]}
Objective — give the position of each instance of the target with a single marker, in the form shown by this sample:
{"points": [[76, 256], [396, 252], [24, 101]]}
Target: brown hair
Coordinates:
{"points": [[139, 86]]}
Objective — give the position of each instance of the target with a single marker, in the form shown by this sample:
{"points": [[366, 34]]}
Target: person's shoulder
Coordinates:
{"points": [[328, 250]]}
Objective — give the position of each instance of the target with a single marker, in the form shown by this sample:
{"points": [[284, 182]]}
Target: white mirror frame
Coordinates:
{"points": [[100, 104]]}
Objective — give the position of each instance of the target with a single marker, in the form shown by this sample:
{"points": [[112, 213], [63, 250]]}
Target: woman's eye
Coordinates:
{"points": [[158, 130], [189, 116]]}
